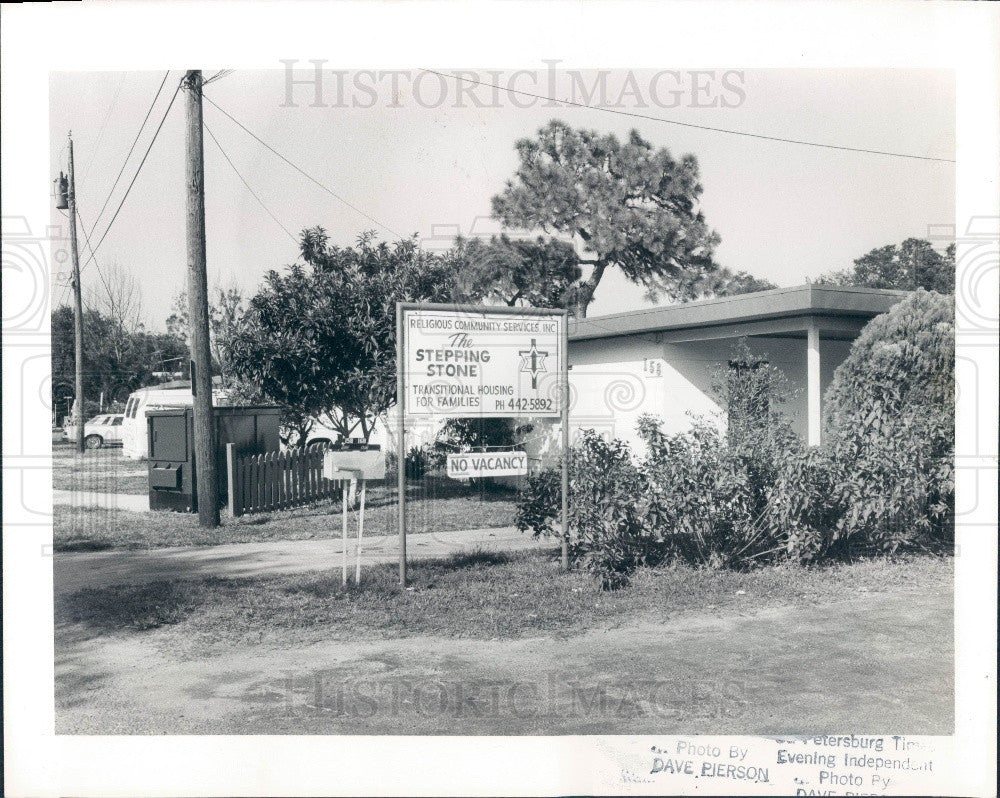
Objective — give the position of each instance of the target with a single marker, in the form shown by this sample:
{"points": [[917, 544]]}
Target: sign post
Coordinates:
{"points": [[564, 421], [486, 362], [401, 443]]}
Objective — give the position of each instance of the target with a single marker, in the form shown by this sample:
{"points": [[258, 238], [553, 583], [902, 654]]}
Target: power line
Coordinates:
{"points": [[301, 171], [104, 124], [245, 183], [690, 124], [130, 149], [96, 264], [62, 296], [135, 176], [222, 73]]}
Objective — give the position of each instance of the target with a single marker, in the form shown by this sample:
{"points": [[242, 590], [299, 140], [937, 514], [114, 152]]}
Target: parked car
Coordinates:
{"points": [[99, 431], [322, 435]]}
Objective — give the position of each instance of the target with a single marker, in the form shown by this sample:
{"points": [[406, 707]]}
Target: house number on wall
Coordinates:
{"points": [[654, 368]]}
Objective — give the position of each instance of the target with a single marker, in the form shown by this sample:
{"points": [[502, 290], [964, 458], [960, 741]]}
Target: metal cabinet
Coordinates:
{"points": [[172, 473]]}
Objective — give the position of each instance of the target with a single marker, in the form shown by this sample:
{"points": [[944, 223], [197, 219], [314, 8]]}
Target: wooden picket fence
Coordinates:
{"points": [[276, 480]]}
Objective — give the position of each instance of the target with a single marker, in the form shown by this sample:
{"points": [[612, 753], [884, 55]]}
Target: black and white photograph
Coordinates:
{"points": [[386, 418]]}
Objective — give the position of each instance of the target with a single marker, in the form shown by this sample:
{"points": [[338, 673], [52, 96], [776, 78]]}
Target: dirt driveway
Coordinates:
{"points": [[879, 664]]}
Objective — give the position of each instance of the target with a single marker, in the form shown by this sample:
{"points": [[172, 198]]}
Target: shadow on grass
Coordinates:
{"points": [[476, 558], [81, 544], [134, 607], [301, 599]]}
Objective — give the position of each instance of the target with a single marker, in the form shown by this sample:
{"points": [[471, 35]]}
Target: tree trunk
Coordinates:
{"points": [[588, 288]]}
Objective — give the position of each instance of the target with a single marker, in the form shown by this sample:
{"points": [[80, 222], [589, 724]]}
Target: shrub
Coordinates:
{"points": [[712, 494], [890, 416], [803, 507], [701, 495], [538, 505], [417, 463], [608, 504], [884, 480]]}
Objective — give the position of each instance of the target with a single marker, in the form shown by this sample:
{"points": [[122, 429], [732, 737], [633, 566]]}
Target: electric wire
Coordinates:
{"points": [[134, 177], [104, 124], [691, 124], [301, 171], [222, 73], [130, 150], [245, 183], [86, 238]]}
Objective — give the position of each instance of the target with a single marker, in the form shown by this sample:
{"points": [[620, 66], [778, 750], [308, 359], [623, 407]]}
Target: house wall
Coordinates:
{"points": [[616, 380]]}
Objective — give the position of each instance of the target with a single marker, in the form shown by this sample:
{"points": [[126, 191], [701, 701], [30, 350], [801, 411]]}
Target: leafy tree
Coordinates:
{"points": [[224, 311], [632, 206], [515, 272], [724, 282], [913, 264], [320, 339], [115, 361]]}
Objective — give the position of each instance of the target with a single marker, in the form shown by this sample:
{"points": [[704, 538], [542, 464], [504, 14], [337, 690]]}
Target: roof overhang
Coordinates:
{"points": [[838, 311]]}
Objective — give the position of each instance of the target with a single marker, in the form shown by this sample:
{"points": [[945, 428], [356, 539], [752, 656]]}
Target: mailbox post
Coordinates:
{"points": [[354, 464]]}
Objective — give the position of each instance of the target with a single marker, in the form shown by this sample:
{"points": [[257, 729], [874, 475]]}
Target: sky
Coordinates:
{"points": [[413, 154]]}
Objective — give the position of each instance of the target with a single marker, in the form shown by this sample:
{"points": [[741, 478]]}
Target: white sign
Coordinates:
{"points": [[487, 464], [469, 363]]}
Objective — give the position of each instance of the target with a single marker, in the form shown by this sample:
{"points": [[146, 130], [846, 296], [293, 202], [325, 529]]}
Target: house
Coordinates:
{"points": [[661, 360]]}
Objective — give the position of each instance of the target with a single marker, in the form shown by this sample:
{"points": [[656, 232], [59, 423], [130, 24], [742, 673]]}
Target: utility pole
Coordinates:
{"points": [[197, 277], [77, 299]]}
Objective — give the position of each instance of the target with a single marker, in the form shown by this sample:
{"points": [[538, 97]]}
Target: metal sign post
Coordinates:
{"points": [[474, 360], [401, 444], [564, 421]]}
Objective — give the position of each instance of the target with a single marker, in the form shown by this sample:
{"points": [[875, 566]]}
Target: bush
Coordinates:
{"points": [[418, 462], [803, 507], [701, 496], [608, 504], [713, 492], [890, 414], [755, 494]]}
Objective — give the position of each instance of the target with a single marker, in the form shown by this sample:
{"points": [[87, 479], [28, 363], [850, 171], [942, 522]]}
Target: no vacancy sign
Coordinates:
{"points": [[492, 362], [487, 464]]}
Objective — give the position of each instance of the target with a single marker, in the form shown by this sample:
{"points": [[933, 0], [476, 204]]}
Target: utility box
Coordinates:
{"points": [[172, 475]]}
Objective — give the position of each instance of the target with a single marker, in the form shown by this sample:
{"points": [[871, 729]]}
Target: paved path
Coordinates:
{"points": [[137, 502], [77, 570]]}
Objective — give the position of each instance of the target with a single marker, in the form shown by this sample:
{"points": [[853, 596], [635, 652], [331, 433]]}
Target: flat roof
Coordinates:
{"points": [[802, 300]]}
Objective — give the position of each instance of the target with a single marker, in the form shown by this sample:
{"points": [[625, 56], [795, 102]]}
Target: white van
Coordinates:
{"points": [[135, 433]]}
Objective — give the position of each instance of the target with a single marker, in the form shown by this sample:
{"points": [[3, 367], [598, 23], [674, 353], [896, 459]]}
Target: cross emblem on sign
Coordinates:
{"points": [[533, 362]]}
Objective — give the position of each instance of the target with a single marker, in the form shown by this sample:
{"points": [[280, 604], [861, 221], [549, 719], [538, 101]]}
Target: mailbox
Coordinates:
{"points": [[366, 462], [172, 478]]}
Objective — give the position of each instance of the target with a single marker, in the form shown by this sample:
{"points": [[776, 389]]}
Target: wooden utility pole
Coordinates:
{"points": [[197, 277], [77, 301]]}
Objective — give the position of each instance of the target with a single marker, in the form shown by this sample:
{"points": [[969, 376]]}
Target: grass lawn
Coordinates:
{"points": [[98, 529], [97, 470], [865, 645], [483, 594], [434, 503]]}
